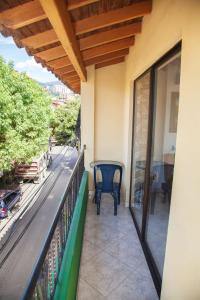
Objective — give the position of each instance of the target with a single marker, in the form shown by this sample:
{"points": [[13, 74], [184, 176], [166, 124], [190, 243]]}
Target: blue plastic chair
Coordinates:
{"points": [[162, 176], [107, 183]]}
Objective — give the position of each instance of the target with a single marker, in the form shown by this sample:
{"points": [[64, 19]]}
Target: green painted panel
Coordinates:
{"points": [[66, 287]]}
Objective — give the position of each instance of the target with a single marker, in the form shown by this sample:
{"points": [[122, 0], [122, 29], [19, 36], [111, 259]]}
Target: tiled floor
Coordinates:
{"points": [[113, 266]]}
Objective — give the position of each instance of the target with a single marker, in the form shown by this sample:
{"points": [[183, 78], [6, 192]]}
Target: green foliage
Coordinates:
{"points": [[24, 117], [64, 121]]}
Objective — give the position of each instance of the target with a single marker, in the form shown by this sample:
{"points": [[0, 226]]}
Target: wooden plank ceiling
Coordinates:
{"points": [[67, 36]]}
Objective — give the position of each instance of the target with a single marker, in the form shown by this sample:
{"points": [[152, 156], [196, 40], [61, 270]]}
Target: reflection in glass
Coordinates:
{"points": [[140, 127], [163, 154]]}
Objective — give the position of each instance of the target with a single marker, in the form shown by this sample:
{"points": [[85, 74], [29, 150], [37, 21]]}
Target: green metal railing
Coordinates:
{"points": [[68, 276], [55, 274]]}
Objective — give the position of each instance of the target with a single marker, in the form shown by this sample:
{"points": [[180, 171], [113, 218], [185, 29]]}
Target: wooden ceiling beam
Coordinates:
{"points": [[106, 57], [110, 35], [51, 54], [49, 37], [70, 75], [64, 70], [63, 63], [74, 4], [59, 18], [73, 80], [77, 83], [40, 40], [108, 48], [110, 62], [31, 12], [22, 15], [69, 86], [126, 13], [59, 63], [68, 79], [76, 86]]}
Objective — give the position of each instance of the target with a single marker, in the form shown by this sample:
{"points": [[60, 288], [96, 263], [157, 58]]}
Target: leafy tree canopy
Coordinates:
{"points": [[24, 117], [64, 121]]}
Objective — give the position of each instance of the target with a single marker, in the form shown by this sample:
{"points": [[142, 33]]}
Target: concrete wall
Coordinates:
{"points": [[170, 22]]}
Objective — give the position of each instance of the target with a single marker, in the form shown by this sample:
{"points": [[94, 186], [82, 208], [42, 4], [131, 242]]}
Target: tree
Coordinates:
{"points": [[64, 121], [24, 117]]}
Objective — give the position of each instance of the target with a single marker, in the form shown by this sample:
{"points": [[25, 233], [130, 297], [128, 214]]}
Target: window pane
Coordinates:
{"points": [[141, 111], [163, 154]]}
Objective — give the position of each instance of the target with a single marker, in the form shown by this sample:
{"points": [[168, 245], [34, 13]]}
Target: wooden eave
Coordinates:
{"points": [[67, 36]]}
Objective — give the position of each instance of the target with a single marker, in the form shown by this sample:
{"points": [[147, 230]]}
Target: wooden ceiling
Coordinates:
{"points": [[67, 36]]}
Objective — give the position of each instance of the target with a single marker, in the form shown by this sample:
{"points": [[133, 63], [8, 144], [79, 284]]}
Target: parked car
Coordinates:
{"points": [[8, 199]]}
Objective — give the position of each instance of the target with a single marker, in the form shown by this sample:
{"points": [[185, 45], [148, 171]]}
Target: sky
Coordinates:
{"points": [[23, 62]]}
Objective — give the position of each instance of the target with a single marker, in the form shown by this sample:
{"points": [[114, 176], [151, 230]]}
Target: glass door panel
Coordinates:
{"points": [[162, 160], [140, 135]]}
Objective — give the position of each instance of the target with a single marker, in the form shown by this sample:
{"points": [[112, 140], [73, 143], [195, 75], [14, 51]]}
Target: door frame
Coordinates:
{"points": [[142, 235]]}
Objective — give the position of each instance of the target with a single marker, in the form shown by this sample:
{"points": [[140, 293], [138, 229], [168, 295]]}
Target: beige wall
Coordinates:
{"points": [[110, 114], [169, 22], [102, 102], [109, 103], [109, 117], [87, 118]]}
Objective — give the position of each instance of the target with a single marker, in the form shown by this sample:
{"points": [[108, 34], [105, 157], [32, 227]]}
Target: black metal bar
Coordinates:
{"points": [[45, 273]]}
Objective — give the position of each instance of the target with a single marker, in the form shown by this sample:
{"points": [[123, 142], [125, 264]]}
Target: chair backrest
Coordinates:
{"points": [[108, 172], [161, 174]]}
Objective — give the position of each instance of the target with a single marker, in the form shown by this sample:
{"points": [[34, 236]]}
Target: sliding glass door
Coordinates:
{"points": [[166, 105], [140, 135], [155, 116]]}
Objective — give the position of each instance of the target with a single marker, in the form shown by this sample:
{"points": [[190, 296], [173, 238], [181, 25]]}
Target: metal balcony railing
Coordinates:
{"points": [[42, 284]]}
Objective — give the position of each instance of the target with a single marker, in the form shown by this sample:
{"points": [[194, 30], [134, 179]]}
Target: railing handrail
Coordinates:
{"points": [[28, 291]]}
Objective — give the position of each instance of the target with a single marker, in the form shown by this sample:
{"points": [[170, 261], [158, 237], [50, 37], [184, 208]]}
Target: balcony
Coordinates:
{"points": [[113, 266], [113, 66]]}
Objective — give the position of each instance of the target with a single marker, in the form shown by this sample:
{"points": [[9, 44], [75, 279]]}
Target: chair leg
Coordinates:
{"points": [[98, 202], [118, 195], [95, 198], [115, 205]]}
